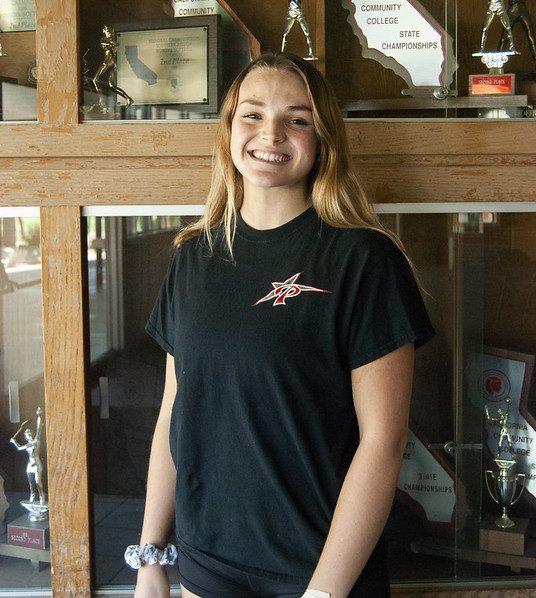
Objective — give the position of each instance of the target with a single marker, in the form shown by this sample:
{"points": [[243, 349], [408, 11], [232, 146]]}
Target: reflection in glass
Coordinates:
{"points": [[18, 72], [480, 272], [127, 261], [24, 544]]}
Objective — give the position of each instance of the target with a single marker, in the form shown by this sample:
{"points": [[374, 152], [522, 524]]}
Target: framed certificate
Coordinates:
{"points": [[17, 15], [171, 63]]}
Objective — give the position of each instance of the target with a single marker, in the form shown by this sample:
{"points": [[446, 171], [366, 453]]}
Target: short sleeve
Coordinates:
{"points": [[161, 322], [389, 310]]}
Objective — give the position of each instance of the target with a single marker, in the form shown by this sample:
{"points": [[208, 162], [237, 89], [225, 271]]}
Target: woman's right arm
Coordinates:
{"points": [[152, 580]]}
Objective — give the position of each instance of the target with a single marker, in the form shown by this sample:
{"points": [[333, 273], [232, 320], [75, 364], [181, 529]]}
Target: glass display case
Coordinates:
{"points": [[160, 61], [24, 523], [18, 68], [477, 271], [434, 58]]}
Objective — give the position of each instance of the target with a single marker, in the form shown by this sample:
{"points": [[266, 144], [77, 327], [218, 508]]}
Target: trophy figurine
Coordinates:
{"points": [[104, 77], [519, 13], [295, 13], [497, 8], [496, 59], [37, 504], [503, 485]]}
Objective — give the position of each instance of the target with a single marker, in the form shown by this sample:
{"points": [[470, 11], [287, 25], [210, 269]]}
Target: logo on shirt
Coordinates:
{"points": [[283, 290]]}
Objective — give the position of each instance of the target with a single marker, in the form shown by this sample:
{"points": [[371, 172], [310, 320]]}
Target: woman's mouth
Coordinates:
{"points": [[269, 157]]}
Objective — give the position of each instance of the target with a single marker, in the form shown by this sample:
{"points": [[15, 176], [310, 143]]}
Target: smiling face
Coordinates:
{"points": [[273, 141]]}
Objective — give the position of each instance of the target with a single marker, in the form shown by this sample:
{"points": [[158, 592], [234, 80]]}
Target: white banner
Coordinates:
{"points": [[403, 36]]}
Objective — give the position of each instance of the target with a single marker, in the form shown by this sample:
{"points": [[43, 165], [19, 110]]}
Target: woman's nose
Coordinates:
{"points": [[272, 131]]}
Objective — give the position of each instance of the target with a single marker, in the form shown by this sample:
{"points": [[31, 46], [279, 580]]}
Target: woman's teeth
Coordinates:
{"points": [[267, 157]]}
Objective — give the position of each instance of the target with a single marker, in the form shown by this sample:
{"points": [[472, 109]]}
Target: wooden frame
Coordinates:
{"points": [[60, 165]]}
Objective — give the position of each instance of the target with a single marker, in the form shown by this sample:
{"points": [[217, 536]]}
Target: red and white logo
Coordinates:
{"points": [[286, 289]]}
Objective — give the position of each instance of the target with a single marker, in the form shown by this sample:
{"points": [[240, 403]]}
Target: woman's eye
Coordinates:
{"points": [[252, 116], [298, 121]]}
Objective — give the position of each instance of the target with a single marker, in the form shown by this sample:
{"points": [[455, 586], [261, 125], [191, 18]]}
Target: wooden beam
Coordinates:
{"points": [[56, 38], [371, 138], [62, 246]]}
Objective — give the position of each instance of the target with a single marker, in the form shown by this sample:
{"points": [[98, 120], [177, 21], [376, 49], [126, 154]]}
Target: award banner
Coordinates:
{"points": [[17, 15], [426, 481], [493, 377], [404, 37], [164, 66]]}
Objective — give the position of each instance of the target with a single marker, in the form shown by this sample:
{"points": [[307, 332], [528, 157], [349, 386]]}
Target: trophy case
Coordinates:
{"points": [[434, 58], [469, 457], [24, 521], [477, 271]]}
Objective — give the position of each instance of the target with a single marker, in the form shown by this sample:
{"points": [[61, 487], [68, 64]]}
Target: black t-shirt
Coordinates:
{"points": [[263, 426]]}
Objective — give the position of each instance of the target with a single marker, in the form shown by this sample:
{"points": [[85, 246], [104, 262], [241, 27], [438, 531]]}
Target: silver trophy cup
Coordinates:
{"points": [[503, 487]]}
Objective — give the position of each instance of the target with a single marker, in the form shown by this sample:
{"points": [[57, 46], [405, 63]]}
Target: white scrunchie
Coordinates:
{"points": [[316, 594], [136, 556]]}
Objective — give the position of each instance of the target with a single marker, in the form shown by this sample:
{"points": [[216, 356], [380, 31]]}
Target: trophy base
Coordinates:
{"points": [[492, 84], [512, 540], [28, 534]]}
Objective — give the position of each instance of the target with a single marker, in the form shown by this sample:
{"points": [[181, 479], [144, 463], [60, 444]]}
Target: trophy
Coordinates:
{"points": [[104, 77], [519, 13], [36, 505], [496, 82], [504, 485], [295, 13], [28, 535]]}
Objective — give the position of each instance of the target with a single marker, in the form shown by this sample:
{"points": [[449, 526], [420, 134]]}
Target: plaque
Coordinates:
{"points": [[17, 15], [172, 64], [403, 36], [238, 44]]}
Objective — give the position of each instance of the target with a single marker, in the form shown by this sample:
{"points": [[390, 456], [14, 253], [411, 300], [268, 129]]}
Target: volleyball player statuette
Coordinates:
{"points": [[295, 13], [36, 505], [505, 484]]}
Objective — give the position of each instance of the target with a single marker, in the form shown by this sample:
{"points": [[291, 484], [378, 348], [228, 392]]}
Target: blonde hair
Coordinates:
{"points": [[335, 192]]}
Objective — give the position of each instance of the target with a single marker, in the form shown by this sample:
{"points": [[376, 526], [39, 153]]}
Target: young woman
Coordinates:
{"points": [[290, 318]]}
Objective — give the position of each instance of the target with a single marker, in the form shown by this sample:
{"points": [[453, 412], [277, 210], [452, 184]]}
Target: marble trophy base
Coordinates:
{"points": [[27, 539], [512, 540]]}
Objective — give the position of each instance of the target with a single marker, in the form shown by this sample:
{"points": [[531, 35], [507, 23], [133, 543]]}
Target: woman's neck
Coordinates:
{"points": [[270, 210]]}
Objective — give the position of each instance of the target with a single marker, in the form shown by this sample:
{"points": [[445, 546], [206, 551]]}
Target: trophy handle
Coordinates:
{"points": [[523, 476], [490, 473]]}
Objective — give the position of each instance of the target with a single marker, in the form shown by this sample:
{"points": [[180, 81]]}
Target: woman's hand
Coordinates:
{"points": [[152, 582]]}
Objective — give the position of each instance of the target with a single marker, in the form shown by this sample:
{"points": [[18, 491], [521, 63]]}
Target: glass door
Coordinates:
{"points": [[472, 403]]}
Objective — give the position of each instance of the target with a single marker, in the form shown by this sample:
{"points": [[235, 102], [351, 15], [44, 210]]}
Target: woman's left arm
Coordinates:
{"points": [[381, 391]]}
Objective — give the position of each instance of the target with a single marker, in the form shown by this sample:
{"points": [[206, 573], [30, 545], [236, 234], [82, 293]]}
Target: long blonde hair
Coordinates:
{"points": [[336, 194]]}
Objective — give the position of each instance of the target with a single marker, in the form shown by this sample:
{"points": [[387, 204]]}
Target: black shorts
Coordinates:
{"points": [[212, 579]]}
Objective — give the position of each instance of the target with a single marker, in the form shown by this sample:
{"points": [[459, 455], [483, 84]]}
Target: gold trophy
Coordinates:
{"points": [[504, 485], [295, 13], [103, 80]]}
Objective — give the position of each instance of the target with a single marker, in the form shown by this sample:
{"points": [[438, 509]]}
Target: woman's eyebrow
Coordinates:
{"points": [[297, 108]]}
